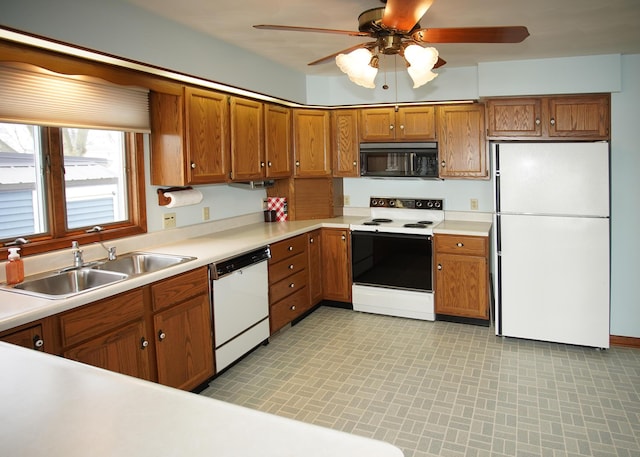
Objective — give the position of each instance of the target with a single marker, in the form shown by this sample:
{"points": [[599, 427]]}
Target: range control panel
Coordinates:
{"points": [[409, 203]]}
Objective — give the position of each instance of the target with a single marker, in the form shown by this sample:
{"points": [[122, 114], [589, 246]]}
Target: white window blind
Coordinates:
{"points": [[33, 95]]}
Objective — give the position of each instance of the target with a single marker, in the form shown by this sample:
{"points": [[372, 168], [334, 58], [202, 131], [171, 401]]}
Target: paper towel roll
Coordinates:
{"points": [[183, 198]]}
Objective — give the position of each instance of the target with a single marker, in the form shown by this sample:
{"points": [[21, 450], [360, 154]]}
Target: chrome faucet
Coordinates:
{"points": [[77, 255], [111, 250]]}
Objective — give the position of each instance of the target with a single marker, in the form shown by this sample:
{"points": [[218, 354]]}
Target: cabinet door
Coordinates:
{"points": [[184, 344], [278, 141], [515, 117], [124, 351], [462, 148], [314, 252], [31, 337], [461, 286], [336, 261], [377, 124], [169, 165], [416, 123], [311, 143], [247, 140], [581, 116], [346, 143], [207, 132]]}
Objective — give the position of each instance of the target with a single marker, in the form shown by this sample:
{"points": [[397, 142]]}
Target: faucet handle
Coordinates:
{"points": [[75, 245]]}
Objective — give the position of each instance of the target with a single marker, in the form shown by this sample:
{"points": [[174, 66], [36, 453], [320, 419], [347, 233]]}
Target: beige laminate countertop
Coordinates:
{"points": [[18, 309]]}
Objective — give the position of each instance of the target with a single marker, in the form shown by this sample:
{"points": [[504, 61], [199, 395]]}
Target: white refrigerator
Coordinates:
{"points": [[552, 245]]}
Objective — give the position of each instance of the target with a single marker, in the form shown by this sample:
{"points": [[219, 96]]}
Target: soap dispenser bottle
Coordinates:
{"points": [[14, 267]]}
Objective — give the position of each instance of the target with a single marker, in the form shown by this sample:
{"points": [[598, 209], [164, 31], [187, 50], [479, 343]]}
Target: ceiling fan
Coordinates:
{"points": [[396, 30]]}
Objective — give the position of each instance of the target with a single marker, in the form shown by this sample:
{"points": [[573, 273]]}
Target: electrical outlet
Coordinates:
{"points": [[205, 213], [169, 220], [346, 200], [474, 204]]}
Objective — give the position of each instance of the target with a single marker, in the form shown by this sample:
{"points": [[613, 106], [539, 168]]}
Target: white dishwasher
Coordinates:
{"points": [[240, 294]]}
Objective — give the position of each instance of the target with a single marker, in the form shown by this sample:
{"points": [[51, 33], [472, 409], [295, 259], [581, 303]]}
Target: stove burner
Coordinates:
{"points": [[425, 222], [371, 223], [382, 219], [415, 225]]}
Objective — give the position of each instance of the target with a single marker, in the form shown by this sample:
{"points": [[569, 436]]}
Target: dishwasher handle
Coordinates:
{"points": [[228, 266]]}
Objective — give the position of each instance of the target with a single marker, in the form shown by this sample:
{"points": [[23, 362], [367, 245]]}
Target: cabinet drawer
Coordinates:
{"points": [[178, 288], [460, 244], [287, 248], [284, 311], [105, 315], [31, 338], [287, 286], [284, 268]]}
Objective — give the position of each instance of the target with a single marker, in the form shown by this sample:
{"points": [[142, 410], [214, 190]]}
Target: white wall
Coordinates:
{"points": [[142, 36]]}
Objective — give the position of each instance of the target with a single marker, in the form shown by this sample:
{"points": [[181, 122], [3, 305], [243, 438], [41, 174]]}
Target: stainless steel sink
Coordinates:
{"points": [[137, 263], [64, 284]]}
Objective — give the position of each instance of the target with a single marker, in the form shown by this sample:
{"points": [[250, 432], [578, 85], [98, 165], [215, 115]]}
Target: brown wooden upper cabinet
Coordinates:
{"points": [[311, 143], [277, 141], [189, 140], [247, 139], [346, 144], [568, 117], [406, 123], [461, 141]]}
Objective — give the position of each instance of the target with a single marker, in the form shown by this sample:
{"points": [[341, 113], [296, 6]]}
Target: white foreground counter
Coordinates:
{"points": [[56, 407]]}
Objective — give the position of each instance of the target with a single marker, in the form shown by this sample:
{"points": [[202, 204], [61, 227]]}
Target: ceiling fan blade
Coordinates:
{"points": [[403, 15], [514, 34], [440, 62], [289, 28], [344, 51]]}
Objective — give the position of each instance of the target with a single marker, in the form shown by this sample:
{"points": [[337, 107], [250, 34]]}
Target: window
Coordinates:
{"points": [[58, 183]]}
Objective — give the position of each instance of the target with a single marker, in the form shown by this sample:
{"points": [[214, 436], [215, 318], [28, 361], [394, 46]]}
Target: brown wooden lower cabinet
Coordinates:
{"points": [[462, 276], [336, 262]]}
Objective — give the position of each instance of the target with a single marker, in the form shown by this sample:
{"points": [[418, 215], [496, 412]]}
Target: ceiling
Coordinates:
{"points": [[558, 28]]}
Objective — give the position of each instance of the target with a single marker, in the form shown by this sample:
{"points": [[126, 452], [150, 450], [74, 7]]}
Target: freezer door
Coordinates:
{"points": [[553, 178], [553, 275]]}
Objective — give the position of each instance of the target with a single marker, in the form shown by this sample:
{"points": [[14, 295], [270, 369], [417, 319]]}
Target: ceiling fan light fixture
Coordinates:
{"points": [[357, 67], [421, 61]]}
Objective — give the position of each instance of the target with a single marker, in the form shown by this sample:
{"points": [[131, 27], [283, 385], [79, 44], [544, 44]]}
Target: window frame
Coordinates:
{"points": [[58, 236]]}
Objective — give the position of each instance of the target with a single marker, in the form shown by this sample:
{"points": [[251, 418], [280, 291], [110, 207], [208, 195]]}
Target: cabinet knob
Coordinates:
{"points": [[344, 238], [537, 121], [293, 307], [261, 164], [193, 165], [291, 267], [459, 245], [290, 248], [161, 335], [391, 127], [38, 342], [439, 266], [143, 343], [401, 126], [553, 121], [297, 163], [292, 285], [355, 164], [311, 240], [269, 163], [443, 164]]}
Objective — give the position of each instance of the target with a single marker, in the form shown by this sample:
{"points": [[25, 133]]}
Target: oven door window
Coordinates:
{"points": [[392, 260]]}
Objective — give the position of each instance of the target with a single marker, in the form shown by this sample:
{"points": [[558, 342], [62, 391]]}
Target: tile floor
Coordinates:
{"points": [[443, 389]]}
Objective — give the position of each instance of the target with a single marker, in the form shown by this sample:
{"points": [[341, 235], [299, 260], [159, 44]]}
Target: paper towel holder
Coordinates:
{"points": [[164, 201]]}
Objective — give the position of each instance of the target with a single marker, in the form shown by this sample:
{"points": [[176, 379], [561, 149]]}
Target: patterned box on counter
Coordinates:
{"points": [[279, 204]]}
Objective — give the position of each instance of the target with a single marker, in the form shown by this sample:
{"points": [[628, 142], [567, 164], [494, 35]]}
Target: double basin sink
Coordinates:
{"points": [[72, 281]]}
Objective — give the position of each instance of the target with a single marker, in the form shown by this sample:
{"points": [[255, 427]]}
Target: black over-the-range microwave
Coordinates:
{"points": [[399, 160]]}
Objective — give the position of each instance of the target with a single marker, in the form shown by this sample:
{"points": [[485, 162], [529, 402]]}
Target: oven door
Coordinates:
{"points": [[392, 260]]}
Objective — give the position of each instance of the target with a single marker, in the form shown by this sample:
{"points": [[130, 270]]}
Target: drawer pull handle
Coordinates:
{"points": [[293, 308], [37, 342], [292, 285], [291, 267], [459, 245], [290, 248]]}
